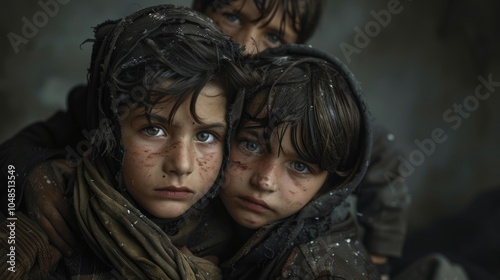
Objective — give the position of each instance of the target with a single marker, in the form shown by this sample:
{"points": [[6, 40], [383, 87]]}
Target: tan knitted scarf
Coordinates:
{"points": [[120, 234]]}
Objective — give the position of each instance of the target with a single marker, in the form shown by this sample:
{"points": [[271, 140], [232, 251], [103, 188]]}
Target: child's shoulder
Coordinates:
{"points": [[338, 253]]}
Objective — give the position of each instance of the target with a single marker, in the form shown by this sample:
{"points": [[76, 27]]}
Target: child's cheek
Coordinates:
{"points": [[236, 172], [146, 158], [209, 166]]}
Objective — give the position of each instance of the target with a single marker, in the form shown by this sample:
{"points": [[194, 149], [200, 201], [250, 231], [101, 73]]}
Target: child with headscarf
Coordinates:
{"points": [[302, 146], [165, 90]]}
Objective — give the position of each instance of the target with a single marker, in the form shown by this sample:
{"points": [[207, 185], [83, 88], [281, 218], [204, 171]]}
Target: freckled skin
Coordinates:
{"points": [[268, 177], [205, 166], [158, 156]]}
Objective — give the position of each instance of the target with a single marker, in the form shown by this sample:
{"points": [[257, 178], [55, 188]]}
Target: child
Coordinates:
{"points": [[301, 148], [160, 84], [259, 25]]}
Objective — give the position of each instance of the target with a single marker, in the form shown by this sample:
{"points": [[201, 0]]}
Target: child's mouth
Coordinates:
{"points": [[175, 193], [254, 204]]}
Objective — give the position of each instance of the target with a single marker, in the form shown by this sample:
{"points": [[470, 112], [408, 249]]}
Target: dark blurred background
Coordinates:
{"points": [[419, 63]]}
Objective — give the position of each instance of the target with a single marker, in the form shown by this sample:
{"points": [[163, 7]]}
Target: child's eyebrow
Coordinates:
{"points": [[213, 126], [252, 131], [155, 117]]}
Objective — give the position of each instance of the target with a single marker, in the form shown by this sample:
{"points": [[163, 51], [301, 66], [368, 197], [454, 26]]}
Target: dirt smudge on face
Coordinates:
{"points": [[208, 167], [145, 162], [239, 165]]}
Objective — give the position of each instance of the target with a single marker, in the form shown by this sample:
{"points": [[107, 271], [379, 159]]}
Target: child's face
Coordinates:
{"points": [[166, 169], [261, 186], [236, 20]]}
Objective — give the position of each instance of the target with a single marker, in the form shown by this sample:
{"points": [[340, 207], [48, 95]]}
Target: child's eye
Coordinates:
{"points": [[205, 137], [231, 17], [274, 39], [251, 146], [154, 131], [300, 167]]}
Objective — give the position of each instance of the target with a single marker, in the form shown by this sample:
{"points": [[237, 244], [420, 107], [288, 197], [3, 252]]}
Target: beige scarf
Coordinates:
{"points": [[119, 233]]}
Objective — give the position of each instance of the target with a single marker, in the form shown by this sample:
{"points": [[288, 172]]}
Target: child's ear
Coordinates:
{"points": [[198, 6]]}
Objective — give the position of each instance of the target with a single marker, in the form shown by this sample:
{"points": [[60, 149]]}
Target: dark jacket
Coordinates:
{"points": [[59, 137], [382, 199]]}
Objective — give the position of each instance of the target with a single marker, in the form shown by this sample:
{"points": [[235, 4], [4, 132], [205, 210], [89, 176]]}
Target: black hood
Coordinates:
{"points": [[323, 212]]}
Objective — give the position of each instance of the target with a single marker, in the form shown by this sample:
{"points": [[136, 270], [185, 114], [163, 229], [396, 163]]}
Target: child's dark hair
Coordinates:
{"points": [[311, 97], [304, 14]]}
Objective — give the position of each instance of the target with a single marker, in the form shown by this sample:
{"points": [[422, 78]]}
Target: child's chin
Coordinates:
{"points": [[250, 224], [171, 213]]}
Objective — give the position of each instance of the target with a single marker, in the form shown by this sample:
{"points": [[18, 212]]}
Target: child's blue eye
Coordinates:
{"points": [[274, 39], [251, 146], [154, 131], [300, 167], [205, 137], [231, 17]]}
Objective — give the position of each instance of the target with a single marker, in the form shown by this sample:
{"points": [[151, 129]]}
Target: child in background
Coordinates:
{"points": [[301, 148], [259, 25], [160, 84]]}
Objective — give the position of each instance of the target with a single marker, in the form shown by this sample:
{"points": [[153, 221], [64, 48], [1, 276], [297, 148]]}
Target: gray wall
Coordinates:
{"points": [[418, 68]]}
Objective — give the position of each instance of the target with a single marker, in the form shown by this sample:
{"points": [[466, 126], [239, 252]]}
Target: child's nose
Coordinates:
{"points": [[265, 177], [180, 159]]}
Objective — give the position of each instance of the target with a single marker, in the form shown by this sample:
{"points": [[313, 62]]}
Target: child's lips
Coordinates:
{"points": [[174, 192], [254, 204]]}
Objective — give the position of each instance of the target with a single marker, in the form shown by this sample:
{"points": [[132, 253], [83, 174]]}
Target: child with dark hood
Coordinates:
{"points": [[301, 148], [165, 90]]}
